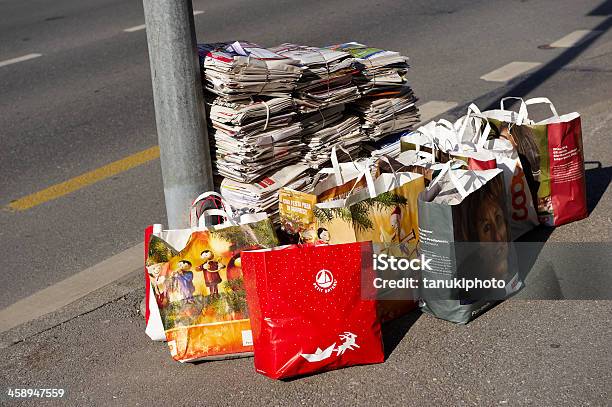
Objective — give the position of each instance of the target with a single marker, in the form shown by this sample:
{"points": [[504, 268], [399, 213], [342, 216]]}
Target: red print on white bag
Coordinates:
{"points": [[349, 343]]}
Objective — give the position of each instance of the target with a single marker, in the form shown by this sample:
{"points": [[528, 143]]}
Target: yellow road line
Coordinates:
{"points": [[83, 180]]}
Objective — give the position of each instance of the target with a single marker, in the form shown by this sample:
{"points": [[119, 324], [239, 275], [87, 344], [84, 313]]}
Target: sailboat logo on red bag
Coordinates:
{"points": [[324, 281], [349, 343]]}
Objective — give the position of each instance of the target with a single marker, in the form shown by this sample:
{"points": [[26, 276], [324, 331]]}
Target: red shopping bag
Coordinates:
{"points": [[565, 199], [147, 235], [307, 308], [552, 157]]}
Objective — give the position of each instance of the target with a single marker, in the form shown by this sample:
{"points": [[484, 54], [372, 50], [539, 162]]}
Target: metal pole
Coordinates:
{"points": [[179, 106]]}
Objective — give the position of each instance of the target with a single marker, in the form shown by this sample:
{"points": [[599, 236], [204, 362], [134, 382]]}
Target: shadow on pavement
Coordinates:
{"points": [[604, 9], [597, 181], [537, 78], [394, 331], [522, 86]]}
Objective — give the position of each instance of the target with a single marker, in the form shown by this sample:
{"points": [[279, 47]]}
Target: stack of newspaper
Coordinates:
{"points": [[252, 114], [241, 69], [252, 137], [389, 112], [252, 157], [344, 131], [327, 79], [388, 102], [379, 68], [389, 146], [262, 196], [277, 113]]}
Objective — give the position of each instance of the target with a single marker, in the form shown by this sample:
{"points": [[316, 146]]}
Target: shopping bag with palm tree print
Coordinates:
{"points": [[385, 212], [198, 284]]}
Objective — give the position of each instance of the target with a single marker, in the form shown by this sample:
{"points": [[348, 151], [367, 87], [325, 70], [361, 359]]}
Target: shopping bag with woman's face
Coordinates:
{"points": [[196, 275], [464, 229], [309, 312], [552, 157], [486, 141]]}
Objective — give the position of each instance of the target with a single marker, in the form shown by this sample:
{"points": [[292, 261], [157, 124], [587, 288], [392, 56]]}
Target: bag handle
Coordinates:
{"points": [[541, 100], [484, 134], [472, 109], [215, 212], [474, 112], [443, 123], [521, 117], [425, 158], [432, 155], [456, 164], [395, 176], [448, 169], [336, 163], [194, 219], [369, 181], [425, 131], [501, 102]]}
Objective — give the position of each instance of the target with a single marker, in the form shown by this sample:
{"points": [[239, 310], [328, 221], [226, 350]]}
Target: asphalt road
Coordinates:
{"points": [[87, 101]]}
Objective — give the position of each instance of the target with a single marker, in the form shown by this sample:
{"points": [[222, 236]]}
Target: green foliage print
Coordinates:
{"points": [[358, 213], [159, 251], [255, 234]]}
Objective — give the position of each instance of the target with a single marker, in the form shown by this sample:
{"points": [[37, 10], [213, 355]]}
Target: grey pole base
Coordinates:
{"points": [[179, 106]]}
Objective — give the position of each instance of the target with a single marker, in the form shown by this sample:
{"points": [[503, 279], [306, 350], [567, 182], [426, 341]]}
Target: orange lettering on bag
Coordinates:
{"points": [[519, 198]]}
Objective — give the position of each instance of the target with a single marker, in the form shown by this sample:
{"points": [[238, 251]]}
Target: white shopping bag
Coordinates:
{"points": [[523, 216]]}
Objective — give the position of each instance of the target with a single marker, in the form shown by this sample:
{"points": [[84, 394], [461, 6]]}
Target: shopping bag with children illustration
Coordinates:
{"points": [[199, 288]]}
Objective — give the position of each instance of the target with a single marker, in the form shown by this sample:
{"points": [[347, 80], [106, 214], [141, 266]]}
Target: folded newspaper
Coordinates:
{"points": [[263, 195], [388, 113], [346, 133], [251, 157], [327, 79], [251, 114], [240, 69], [379, 67]]}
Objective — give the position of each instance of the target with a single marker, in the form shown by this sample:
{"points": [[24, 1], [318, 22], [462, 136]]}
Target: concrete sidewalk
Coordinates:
{"points": [[519, 353]]}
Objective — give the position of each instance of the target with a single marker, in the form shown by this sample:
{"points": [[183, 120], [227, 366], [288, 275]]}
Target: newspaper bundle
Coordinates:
{"points": [[346, 133], [388, 102], [241, 69], [388, 112], [251, 158], [327, 78], [263, 195], [379, 68], [253, 136]]}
